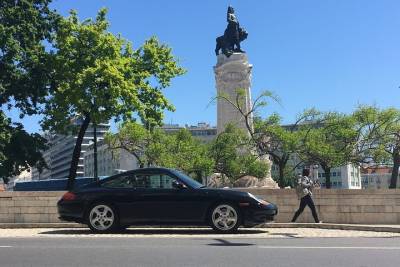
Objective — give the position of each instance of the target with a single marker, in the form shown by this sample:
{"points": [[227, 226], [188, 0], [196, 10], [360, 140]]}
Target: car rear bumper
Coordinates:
{"points": [[71, 211], [258, 215]]}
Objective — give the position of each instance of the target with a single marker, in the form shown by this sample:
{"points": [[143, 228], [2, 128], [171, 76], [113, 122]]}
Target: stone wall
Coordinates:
{"points": [[334, 206], [29, 207], [338, 205]]}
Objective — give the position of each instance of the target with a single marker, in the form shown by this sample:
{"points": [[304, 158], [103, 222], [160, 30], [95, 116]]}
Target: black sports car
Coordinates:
{"points": [[161, 196]]}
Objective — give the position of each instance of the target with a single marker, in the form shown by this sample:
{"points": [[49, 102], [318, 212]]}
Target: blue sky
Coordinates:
{"points": [[331, 54]]}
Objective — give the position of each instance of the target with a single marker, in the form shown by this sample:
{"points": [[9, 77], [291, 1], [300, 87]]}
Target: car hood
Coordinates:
{"points": [[225, 191]]}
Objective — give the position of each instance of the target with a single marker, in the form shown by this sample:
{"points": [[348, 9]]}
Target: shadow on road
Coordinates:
{"points": [[151, 231], [292, 235], [226, 243]]}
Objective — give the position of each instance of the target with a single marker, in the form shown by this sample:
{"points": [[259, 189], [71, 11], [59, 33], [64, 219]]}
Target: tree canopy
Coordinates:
{"points": [[155, 147], [234, 156], [329, 142], [98, 76], [379, 137], [25, 27]]}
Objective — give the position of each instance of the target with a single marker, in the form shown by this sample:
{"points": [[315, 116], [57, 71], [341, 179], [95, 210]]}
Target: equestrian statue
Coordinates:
{"points": [[233, 35]]}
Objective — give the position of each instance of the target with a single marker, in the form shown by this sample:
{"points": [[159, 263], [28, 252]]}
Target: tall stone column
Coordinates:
{"points": [[232, 73]]}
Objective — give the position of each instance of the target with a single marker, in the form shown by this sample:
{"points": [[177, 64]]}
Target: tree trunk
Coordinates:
{"points": [[77, 152], [327, 171], [281, 174], [395, 170]]}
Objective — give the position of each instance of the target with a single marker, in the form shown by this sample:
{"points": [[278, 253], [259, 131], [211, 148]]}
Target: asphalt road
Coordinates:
{"points": [[155, 251]]}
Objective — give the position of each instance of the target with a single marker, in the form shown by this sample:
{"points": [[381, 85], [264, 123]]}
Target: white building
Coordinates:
{"points": [[202, 131], [59, 154], [344, 177], [377, 177], [109, 161]]}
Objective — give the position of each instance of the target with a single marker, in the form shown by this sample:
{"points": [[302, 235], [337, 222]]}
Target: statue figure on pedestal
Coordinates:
{"points": [[233, 35]]}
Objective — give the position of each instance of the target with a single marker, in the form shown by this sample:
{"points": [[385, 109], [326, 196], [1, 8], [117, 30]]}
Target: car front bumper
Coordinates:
{"points": [[256, 215]]}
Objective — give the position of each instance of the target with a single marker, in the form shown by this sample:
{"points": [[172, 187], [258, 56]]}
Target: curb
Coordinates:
{"points": [[331, 226], [40, 225], [334, 226]]}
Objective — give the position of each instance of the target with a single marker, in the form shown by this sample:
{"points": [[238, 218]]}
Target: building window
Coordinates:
{"points": [[333, 173]]}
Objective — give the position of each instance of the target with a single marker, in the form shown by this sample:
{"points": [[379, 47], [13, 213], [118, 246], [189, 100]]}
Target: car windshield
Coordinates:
{"points": [[187, 179]]}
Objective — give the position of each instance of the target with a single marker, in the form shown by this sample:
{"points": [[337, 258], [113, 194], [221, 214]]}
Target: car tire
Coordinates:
{"points": [[225, 218], [102, 217]]}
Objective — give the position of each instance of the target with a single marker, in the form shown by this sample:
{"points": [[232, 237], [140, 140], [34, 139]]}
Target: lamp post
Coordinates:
{"points": [[95, 174]]}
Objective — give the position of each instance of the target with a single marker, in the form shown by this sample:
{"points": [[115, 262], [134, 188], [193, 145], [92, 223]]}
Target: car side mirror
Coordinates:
{"points": [[178, 185]]}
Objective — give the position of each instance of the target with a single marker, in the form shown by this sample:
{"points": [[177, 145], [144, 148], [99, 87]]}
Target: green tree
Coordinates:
{"points": [[379, 137], [258, 140], [234, 156], [156, 148], [25, 26], [19, 150], [330, 142], [186, 153], [98, 76], [133, 138], [282, 142]]}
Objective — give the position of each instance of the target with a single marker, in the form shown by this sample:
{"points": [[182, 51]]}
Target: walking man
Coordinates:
{"points": [[304, 193]]}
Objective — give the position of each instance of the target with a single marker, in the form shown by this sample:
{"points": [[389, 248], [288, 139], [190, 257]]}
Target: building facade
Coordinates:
{"points": [[377, 177], [59, 154], [343, 177], [109, 162], [202, 131]]}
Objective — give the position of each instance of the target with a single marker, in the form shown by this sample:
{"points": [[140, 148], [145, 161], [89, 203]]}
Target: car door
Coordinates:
{"points": [[121, 191], [160, 201]]}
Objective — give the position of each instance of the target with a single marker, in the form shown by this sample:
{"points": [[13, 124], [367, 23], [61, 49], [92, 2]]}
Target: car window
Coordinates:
{"points": [[153, 181], [123, 181], [166, 181], [141, 181]]}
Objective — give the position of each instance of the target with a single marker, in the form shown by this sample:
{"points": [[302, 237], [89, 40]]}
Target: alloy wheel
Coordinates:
{"points": [[101, 217], [224, 217]]}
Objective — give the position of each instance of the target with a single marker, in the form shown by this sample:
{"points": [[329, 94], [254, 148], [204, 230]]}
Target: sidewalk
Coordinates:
{"points": [[352, 227], [335, 226]]}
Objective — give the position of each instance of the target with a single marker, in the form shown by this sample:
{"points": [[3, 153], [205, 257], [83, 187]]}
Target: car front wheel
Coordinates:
{"points": [[225, 218], [102, 218]]}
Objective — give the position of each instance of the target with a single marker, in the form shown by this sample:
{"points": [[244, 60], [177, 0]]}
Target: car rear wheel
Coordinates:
{"points": [[225, 218], [102, 218]]}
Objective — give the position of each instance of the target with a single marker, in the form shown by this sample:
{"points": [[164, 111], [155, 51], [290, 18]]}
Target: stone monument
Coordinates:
{"points": [[233, 73]]}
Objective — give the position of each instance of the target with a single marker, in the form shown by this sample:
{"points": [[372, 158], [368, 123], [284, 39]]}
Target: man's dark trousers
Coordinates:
{"points": [[306, 201]]}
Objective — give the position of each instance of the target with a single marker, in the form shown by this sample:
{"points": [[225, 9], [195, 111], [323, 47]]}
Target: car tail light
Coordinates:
{"points": [[69, 196]]}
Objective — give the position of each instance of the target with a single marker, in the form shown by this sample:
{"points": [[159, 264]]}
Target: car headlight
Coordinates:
{"points": [[261, 201]]}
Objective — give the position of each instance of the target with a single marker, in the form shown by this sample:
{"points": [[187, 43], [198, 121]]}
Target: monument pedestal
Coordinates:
{"points": [[232, 74]]}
